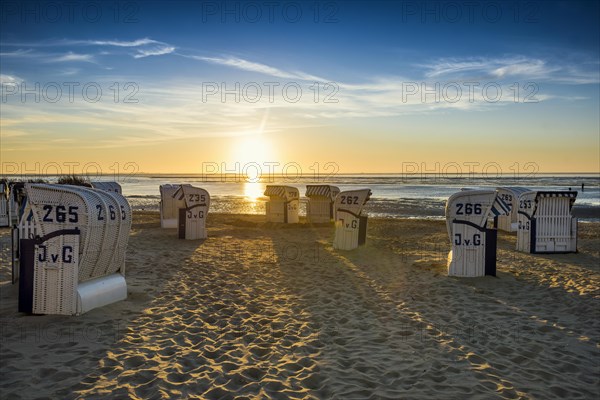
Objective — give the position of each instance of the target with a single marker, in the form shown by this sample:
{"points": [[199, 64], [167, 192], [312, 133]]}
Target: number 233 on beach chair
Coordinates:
{"points": [[545, 223]]}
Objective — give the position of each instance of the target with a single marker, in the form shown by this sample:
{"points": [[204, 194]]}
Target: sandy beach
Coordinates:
{"points": [[273, 311]]}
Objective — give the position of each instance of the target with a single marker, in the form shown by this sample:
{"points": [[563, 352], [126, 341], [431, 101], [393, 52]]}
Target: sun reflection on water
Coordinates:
{"points": [[252, 192]]}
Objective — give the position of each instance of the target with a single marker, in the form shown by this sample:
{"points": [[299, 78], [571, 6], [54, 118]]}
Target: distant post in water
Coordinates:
{"points": [[350, 221]]}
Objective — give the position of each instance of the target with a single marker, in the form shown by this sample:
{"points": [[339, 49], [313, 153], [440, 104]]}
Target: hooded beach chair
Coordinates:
{"points": [[320, 207], [510, 195], [350, 221], [4, 199], [16, 202], [71, 260], [545, 222], [169, 205], [192, 217], [283, 204], [108, 186], [468, 214]]}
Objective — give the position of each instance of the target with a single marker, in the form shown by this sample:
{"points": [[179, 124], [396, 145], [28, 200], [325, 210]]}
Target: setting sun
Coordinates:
{"points": [[252, 149]]}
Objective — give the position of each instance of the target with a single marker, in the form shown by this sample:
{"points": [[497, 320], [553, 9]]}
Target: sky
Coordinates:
{"points": [[347, 86]]}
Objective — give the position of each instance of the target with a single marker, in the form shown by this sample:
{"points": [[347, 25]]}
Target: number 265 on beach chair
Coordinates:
{"points": [[72, 243]]}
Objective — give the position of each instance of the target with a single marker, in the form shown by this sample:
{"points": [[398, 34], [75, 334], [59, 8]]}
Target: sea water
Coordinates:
{"points": [[394, 195]]}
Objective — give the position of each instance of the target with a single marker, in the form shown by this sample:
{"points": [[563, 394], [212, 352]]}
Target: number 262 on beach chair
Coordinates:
{"points": [[350, 223]]}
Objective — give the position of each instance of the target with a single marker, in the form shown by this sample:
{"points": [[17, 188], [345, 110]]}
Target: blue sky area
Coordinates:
{"points": [[380, 56]]}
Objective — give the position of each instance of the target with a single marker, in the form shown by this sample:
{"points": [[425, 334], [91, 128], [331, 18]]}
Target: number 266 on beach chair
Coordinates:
{"points": [[350, 223], [473, 243]]}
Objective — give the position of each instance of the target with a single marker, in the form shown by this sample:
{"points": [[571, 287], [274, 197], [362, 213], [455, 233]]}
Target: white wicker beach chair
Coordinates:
{"points": [[110, 213], [510, 195], [192, 218], [169, 205], [351, 222], [125, 216], [4, 199], [545, 222], [15, 192], [468, 214], [102, 228], [283, 204], [56, 273], [58, 207], [320, 207], [107, 186]]}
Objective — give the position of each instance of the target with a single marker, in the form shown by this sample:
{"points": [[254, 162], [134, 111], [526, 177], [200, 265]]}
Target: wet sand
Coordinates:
{"points": [[272, 311]]}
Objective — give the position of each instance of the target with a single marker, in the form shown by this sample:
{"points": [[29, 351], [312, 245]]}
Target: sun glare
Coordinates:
{"points": [[252, 149]]}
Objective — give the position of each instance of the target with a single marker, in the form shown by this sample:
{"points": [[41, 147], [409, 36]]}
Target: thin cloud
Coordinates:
{"points": [[70, 56], [251, 66], [6, 80], [120, 43], [144, 47], [157, 51], [18, 53], [511, 67]]}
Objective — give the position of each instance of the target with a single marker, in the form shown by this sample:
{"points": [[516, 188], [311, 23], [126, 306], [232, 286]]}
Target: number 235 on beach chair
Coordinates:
{"points": [[191, 218]]}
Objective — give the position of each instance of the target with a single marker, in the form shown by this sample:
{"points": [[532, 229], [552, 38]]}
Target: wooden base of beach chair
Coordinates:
{"points": [[100, 292]]}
